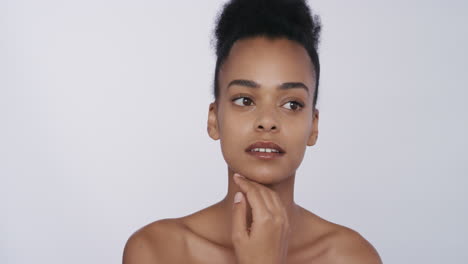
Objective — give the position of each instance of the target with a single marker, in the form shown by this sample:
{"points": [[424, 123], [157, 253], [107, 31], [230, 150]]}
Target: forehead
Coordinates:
{"points": [[268, 62]]}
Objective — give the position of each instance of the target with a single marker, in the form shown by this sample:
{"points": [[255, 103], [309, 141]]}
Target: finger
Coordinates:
{"points": [[253, 195], [239, 222], [279, 205], [271, 198], [267, 200], [276, 200], [266, 194]]}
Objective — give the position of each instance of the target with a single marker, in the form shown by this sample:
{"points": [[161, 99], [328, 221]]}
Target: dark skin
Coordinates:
{"points": [[266, 226]]}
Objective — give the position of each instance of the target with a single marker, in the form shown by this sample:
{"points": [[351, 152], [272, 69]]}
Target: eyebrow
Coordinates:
{"points": [[283, 86]]}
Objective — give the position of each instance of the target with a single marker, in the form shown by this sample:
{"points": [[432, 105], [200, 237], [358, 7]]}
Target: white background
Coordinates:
{"points": [[103, 108]]}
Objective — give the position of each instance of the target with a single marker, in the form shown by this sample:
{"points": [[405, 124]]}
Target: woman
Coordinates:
{"points": [[265, 88]]}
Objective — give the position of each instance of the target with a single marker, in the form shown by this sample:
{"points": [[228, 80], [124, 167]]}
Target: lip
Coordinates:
{"points": [[265, 155], [265, 144]]}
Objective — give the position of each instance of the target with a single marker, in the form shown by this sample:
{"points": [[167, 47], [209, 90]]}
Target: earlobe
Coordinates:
{"points": [[212, 126], [314, 134]]}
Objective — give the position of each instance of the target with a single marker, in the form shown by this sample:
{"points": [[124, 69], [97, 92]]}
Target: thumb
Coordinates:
{"points": [[239, 225]]}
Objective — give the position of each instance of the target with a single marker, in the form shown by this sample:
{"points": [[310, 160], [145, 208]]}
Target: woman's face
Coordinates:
{"points": [[266, 90]]}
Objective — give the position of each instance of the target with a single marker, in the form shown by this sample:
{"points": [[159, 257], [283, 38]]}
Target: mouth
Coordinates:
{"points": [[265, 150]]}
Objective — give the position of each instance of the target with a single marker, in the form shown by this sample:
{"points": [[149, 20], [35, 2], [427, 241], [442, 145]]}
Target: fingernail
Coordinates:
{"points": [[238, 197], [238, 175]]}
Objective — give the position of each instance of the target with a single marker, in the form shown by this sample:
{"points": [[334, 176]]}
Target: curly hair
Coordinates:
{"points": [[291, 19]]}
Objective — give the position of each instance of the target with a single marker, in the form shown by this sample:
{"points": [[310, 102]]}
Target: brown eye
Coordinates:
{"points": [[243, 101], [293, 105]]}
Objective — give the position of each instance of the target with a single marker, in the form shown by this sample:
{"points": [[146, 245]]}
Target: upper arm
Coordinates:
{"points": [[139, 250]]}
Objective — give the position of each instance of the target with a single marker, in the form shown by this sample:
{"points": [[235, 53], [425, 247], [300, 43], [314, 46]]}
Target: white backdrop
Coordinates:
{"points": [[103, 108]]}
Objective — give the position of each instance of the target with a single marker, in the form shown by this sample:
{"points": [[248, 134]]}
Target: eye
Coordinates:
{"points": [[294, 105], [243, 101]]}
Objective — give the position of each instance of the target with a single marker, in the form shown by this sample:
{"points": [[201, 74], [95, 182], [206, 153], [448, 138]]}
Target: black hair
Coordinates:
{"points": [[291, 19]]}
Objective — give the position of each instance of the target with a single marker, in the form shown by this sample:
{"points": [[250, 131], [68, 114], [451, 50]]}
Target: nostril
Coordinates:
{"points": [[272, 128]]}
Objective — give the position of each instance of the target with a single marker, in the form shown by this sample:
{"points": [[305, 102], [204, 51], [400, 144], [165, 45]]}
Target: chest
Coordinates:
{"points": [[206, 253]]}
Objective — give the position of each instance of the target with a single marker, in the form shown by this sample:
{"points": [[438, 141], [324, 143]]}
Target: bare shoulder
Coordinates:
{"points": [[349, 246], [158, 242], [334, 243]]}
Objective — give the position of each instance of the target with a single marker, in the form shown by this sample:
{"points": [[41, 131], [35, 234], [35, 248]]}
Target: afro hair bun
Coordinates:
{"points": [[291, 19]]}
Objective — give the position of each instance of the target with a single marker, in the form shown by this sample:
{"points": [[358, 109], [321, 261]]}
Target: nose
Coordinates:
{"points": [[266, 122]]}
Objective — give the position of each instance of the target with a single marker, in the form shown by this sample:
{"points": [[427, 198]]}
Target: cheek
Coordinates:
{"points": [[300, 126], [299, 143], [234, 135], [233, 129], [298, 135], [233, 123]]}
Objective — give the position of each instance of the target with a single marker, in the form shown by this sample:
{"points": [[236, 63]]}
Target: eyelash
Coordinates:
{"points": [[301, 105]]}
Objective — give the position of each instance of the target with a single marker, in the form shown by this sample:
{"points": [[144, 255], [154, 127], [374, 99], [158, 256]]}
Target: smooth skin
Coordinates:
{"points": [[271, 102]]}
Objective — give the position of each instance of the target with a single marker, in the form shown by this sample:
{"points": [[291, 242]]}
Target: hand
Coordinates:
{"points": [[267, 241]]}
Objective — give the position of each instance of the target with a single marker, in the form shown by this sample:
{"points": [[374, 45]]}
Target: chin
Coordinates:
{"points": [[263, 175]]}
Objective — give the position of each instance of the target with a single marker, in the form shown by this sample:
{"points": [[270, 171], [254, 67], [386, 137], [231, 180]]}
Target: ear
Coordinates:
{"points": [[313, 136], [212, 125]]}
